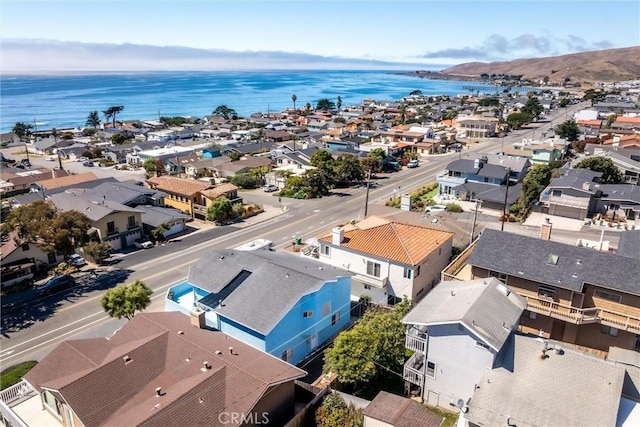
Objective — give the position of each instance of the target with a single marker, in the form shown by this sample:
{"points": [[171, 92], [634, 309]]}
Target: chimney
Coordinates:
{"points": [[585, 186], [545, 230], [338, 235]]}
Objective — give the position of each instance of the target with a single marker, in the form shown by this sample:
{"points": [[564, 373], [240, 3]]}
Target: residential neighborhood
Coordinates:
{"points": [[427, 261]]}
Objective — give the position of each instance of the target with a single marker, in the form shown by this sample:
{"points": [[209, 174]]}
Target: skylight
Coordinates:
{"points": [[553, 259]]}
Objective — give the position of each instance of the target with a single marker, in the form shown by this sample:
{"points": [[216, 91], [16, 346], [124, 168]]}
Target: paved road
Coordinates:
{"points": [[32, 330]]}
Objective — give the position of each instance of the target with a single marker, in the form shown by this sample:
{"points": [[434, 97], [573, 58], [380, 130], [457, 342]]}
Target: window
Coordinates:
{"points": [[287, 354], [530, 314], [609, 330], [307, 314], [131, 221], [51, 257], [407, 273], [111, 227], [431, 369], [556, 193], [326, 308], [546, 291], [373, 269], [325, 250], [335, 318], [367, 287], [607, 295], [483, 345]]}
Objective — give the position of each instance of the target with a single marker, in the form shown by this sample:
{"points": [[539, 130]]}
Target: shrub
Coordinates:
{"points": [[14, 374], [454, 207], [244, 180]]}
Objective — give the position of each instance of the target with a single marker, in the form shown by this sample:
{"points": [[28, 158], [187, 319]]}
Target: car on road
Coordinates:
{"points": [[143, 244], [88, 164], [270, 188], [25, 162], [50, 158], [55, 284], [413, 164], [81, 159], [76, 260], [435, 208]]}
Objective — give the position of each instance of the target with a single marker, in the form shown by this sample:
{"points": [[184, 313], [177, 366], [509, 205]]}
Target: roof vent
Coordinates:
{"points": [[188, 359], [159, 392], [180, 332], [579, 262], [453, 294], [205, 366], [230, 350], [127, 359], [218, 352], [221, 257]]}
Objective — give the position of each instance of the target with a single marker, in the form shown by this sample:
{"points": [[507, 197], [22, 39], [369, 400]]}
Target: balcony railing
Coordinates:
{"points": [[412, 370], [416, 343], [16, 392], [133, 225], [581, 316], [199, 209]]}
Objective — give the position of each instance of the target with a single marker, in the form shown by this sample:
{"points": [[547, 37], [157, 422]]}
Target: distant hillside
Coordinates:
{"points": [[598, 66]]}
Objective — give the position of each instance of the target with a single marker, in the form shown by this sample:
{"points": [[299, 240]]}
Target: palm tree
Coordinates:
{"points": [[111, 113], [339, 103], [93, 119], [294, 98], [23, 131]]}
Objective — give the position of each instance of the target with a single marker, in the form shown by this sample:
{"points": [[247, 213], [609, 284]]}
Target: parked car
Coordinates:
{"points": [[269, 188], [413, 164], [76, 260], [88, 164], [55, 284], [50, 158], [81, 159], [143, 244], [435, 208], [25, 162]]}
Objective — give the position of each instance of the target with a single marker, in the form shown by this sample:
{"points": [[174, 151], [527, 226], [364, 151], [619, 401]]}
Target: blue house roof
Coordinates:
{"points": [[258, 288]]}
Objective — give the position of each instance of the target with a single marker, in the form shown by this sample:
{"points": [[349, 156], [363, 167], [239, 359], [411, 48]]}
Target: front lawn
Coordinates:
{"points": [[14, 374]]}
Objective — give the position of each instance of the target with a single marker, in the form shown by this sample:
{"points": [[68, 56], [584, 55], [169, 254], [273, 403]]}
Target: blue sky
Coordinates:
{"points": [[219, 34]]}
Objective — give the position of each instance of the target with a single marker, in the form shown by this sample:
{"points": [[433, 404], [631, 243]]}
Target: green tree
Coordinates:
{"points": [[22, 130], [416, 92], [97, 252], [610, 173], [149, 165], [375, 343], [325, 104], [294, 98], [158, 232], [563, 102], [516, 120], [533, 107], [371, 163], [378, 153], [235, 156], [610, 119], [119, 139], [347, 170], [220, 210], [323, 160], [244, 180], [93, 119], [111, 113], [568, 130], [41, 223], [334, 412], [226, 112], [125, 300]]}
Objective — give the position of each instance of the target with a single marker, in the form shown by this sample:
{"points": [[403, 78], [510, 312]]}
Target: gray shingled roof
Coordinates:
{"points": [[156, 215], [528, 257], [398, 411], [123, 192], [491, 192], [484, 306], [277, 281], [620, 192], [569, 389], [487, 170], [575, 178], [629, 244], [94, 210]]}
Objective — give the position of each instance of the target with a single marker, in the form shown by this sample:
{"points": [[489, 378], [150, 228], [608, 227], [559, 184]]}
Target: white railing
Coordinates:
{"points": [[412, 370], [15, 392], [415, 343], [9, 418]]}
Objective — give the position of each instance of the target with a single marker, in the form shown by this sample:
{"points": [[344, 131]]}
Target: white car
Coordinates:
{"points": [[435, 208], [143, 245], [269, 188], [76, 260], [413, 164]]}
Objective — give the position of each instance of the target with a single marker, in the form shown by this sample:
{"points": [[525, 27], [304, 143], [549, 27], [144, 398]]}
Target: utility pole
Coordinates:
{"points": [[504, 209], [366, 198], [54, 133], [473, 226]]}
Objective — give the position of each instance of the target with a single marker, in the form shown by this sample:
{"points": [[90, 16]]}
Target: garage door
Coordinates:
{"points": [[176, 228], [568, 212]]}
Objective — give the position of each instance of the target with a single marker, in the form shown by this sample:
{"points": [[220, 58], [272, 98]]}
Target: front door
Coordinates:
{"points": [[313, 341]]}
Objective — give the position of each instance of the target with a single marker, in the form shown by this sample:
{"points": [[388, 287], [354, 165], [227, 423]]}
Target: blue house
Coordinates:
{"points": [[277, 302]]}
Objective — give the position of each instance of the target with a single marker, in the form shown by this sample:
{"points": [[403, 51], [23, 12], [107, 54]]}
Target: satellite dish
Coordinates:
{"points": [[459, 403]]}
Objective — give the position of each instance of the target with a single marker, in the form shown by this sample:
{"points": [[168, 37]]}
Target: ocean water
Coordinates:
{"points": [[66, 101]]}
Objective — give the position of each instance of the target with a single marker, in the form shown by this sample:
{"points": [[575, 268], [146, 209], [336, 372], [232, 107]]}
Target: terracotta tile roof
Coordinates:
{"points": [[181, 186], [219, 190], [399, 411], [104, 389], [628, 119], [400, 242], [590, 122]]}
